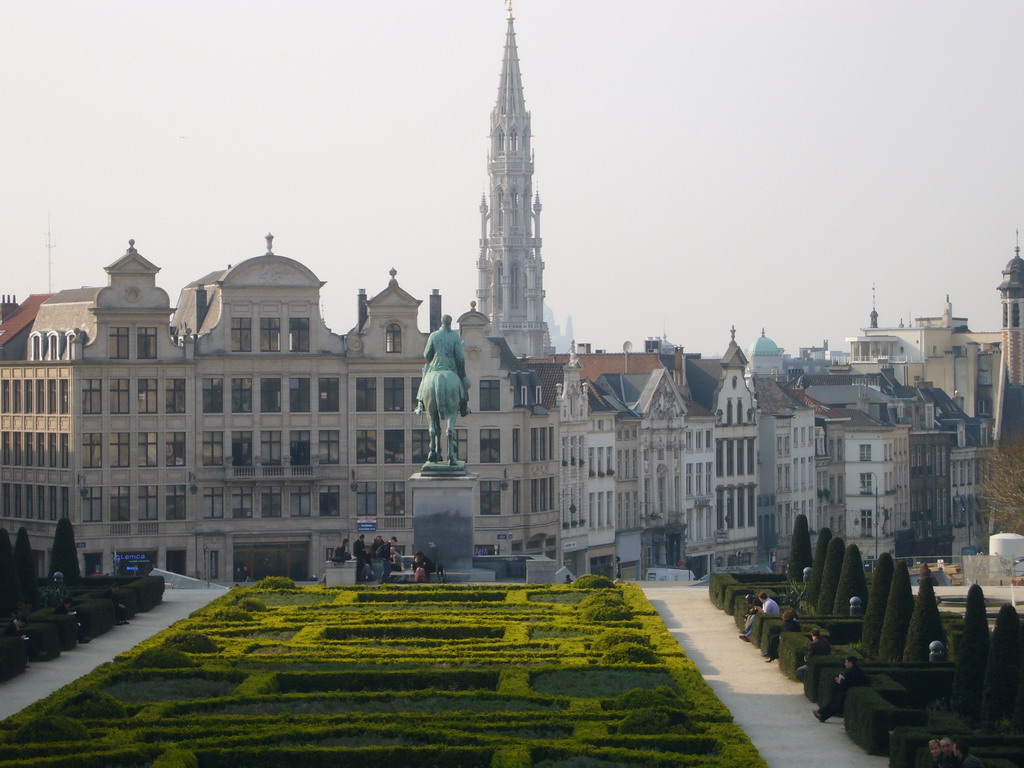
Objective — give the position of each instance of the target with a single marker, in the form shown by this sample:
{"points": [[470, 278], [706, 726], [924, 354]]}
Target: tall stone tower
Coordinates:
{"points": [[1011, 292], [511, 287]]}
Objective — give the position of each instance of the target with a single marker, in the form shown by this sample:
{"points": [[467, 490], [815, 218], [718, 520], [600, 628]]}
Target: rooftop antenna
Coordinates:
{"points": [[50, 245]]}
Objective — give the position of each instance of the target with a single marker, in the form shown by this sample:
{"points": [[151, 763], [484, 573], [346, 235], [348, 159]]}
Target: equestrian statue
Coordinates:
{"points": [[444, 390]]}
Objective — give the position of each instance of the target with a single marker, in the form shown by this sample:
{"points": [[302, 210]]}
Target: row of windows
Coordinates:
{"points": [[119, 449], [394, 394], [39, 502], [34, 396], [370, 449], [270, 394], [34, 449], [120, 394], [270, 334], [271, 501], [735, 507], [119, 343], [271, 442], [730, 455]]}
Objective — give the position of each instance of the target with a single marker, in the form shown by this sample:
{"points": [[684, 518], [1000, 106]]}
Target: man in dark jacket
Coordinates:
{"points": [[820, 646], [853, 677], [361, 556]]}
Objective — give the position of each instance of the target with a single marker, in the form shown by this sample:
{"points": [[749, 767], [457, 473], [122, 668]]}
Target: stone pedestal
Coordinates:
{"points": [[444, 506], [340, 574]]}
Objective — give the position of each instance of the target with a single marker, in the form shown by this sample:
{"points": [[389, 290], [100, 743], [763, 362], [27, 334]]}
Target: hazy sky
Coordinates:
{"points": [[701, 164]]}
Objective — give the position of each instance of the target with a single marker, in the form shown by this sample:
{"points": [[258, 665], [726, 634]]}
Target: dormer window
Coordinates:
{"points": [[393, 338]]}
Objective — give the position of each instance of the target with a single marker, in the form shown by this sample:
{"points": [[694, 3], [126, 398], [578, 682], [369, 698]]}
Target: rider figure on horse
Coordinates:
{"points": [[445, 362]]}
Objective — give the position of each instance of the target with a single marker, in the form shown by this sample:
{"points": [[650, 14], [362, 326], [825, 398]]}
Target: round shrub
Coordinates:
{"points": [[604, 606], [610, 637], [646, 698], [191, 642], [229, 613], [593, 581], [646, 721], [252, 605], [50, 728], [275, 582], [89, 704], [162, 658], [629, 653], [176, 758]]}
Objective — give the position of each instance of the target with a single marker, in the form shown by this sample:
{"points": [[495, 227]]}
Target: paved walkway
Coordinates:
{"points": [[767, 705], [44, 677]]}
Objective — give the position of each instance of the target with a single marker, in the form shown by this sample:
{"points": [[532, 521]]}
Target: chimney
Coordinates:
{"points": [[8, 306], [202, 307], [363, 310], [435, 310]]}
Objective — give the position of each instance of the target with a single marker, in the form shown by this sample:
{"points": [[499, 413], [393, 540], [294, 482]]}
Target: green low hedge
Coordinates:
{"points": [[12, 656], [45, 640], [95, 615], [868, 715], [66, 626], [908, 747]]}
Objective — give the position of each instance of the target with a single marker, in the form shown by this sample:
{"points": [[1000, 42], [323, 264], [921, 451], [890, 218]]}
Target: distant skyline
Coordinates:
{"points": [[701, 165]]}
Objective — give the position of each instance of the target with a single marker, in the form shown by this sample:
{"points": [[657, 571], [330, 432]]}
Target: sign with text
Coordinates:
{"points": [[366, 524]]}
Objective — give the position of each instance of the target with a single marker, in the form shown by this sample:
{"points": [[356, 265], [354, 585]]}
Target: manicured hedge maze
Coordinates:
{"points": [[438, 675]]}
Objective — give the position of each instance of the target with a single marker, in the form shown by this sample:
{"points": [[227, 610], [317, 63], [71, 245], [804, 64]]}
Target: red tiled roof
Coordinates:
{"points": [[22, 318]]}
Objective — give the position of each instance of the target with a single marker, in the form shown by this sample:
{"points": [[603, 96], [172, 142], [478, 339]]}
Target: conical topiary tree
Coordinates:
{"points": [[925, 624], [10, 588], [830, 574], [851, 582], [971, 658], [800, 556], [1002, 670], [26, 567], [898, 611], [878, 597], [817, 567], [64, 557]]}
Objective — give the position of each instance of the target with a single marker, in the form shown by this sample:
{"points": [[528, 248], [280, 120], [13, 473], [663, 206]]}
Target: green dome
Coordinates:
{"points": [[763, 347]]}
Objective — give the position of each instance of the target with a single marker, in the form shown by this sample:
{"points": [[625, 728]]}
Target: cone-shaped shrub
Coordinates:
{"points": [[851, 582], [969, 678], [898, 610], [830, 574], [878, 597], [925, 624], [26, 567], [817, 567], [10, 588], [1018, 710], [800, 555], [65, 553], [1003, 668]]}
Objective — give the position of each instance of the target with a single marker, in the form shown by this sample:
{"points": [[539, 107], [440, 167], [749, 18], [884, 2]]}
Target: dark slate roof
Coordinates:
{"points": [[551, 375], [772, 397], [1011, 418], [509, 361], [703, 377], [695, 409], [597, 364], [75, 295]]}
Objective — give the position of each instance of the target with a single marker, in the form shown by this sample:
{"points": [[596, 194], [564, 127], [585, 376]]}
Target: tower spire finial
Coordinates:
{"points": [[1018, 243], [508, 4]]}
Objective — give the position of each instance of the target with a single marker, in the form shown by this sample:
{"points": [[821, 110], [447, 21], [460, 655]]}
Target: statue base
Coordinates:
{"points": [[445, 502], [443, 469]]}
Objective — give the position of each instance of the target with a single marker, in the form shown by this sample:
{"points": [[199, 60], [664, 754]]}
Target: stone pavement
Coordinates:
{"points": [[767, 705], [44, 677]]}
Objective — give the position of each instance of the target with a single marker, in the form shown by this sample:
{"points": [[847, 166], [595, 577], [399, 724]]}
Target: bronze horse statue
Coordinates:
{"points": [[444, 389]]}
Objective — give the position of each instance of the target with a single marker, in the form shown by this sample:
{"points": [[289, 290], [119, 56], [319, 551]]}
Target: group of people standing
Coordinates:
{"points": [[387, 555]]}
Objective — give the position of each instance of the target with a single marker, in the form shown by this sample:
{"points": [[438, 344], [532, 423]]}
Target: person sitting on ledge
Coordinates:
{"points": [[852, 678]]}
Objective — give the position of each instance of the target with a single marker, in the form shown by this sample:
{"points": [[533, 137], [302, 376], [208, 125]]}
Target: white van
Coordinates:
{"points": [[670, 574]]}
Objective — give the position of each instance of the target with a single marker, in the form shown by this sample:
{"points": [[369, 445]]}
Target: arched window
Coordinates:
{"points": [[514, 282], [1016, 315], [393, 338], [514, 141], [496, 291], [35, 353], [728, 411], [739, 410], [501, 142]]}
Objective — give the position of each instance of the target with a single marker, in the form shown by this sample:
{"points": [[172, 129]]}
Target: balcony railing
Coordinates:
{"points": [[274, 472]]}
